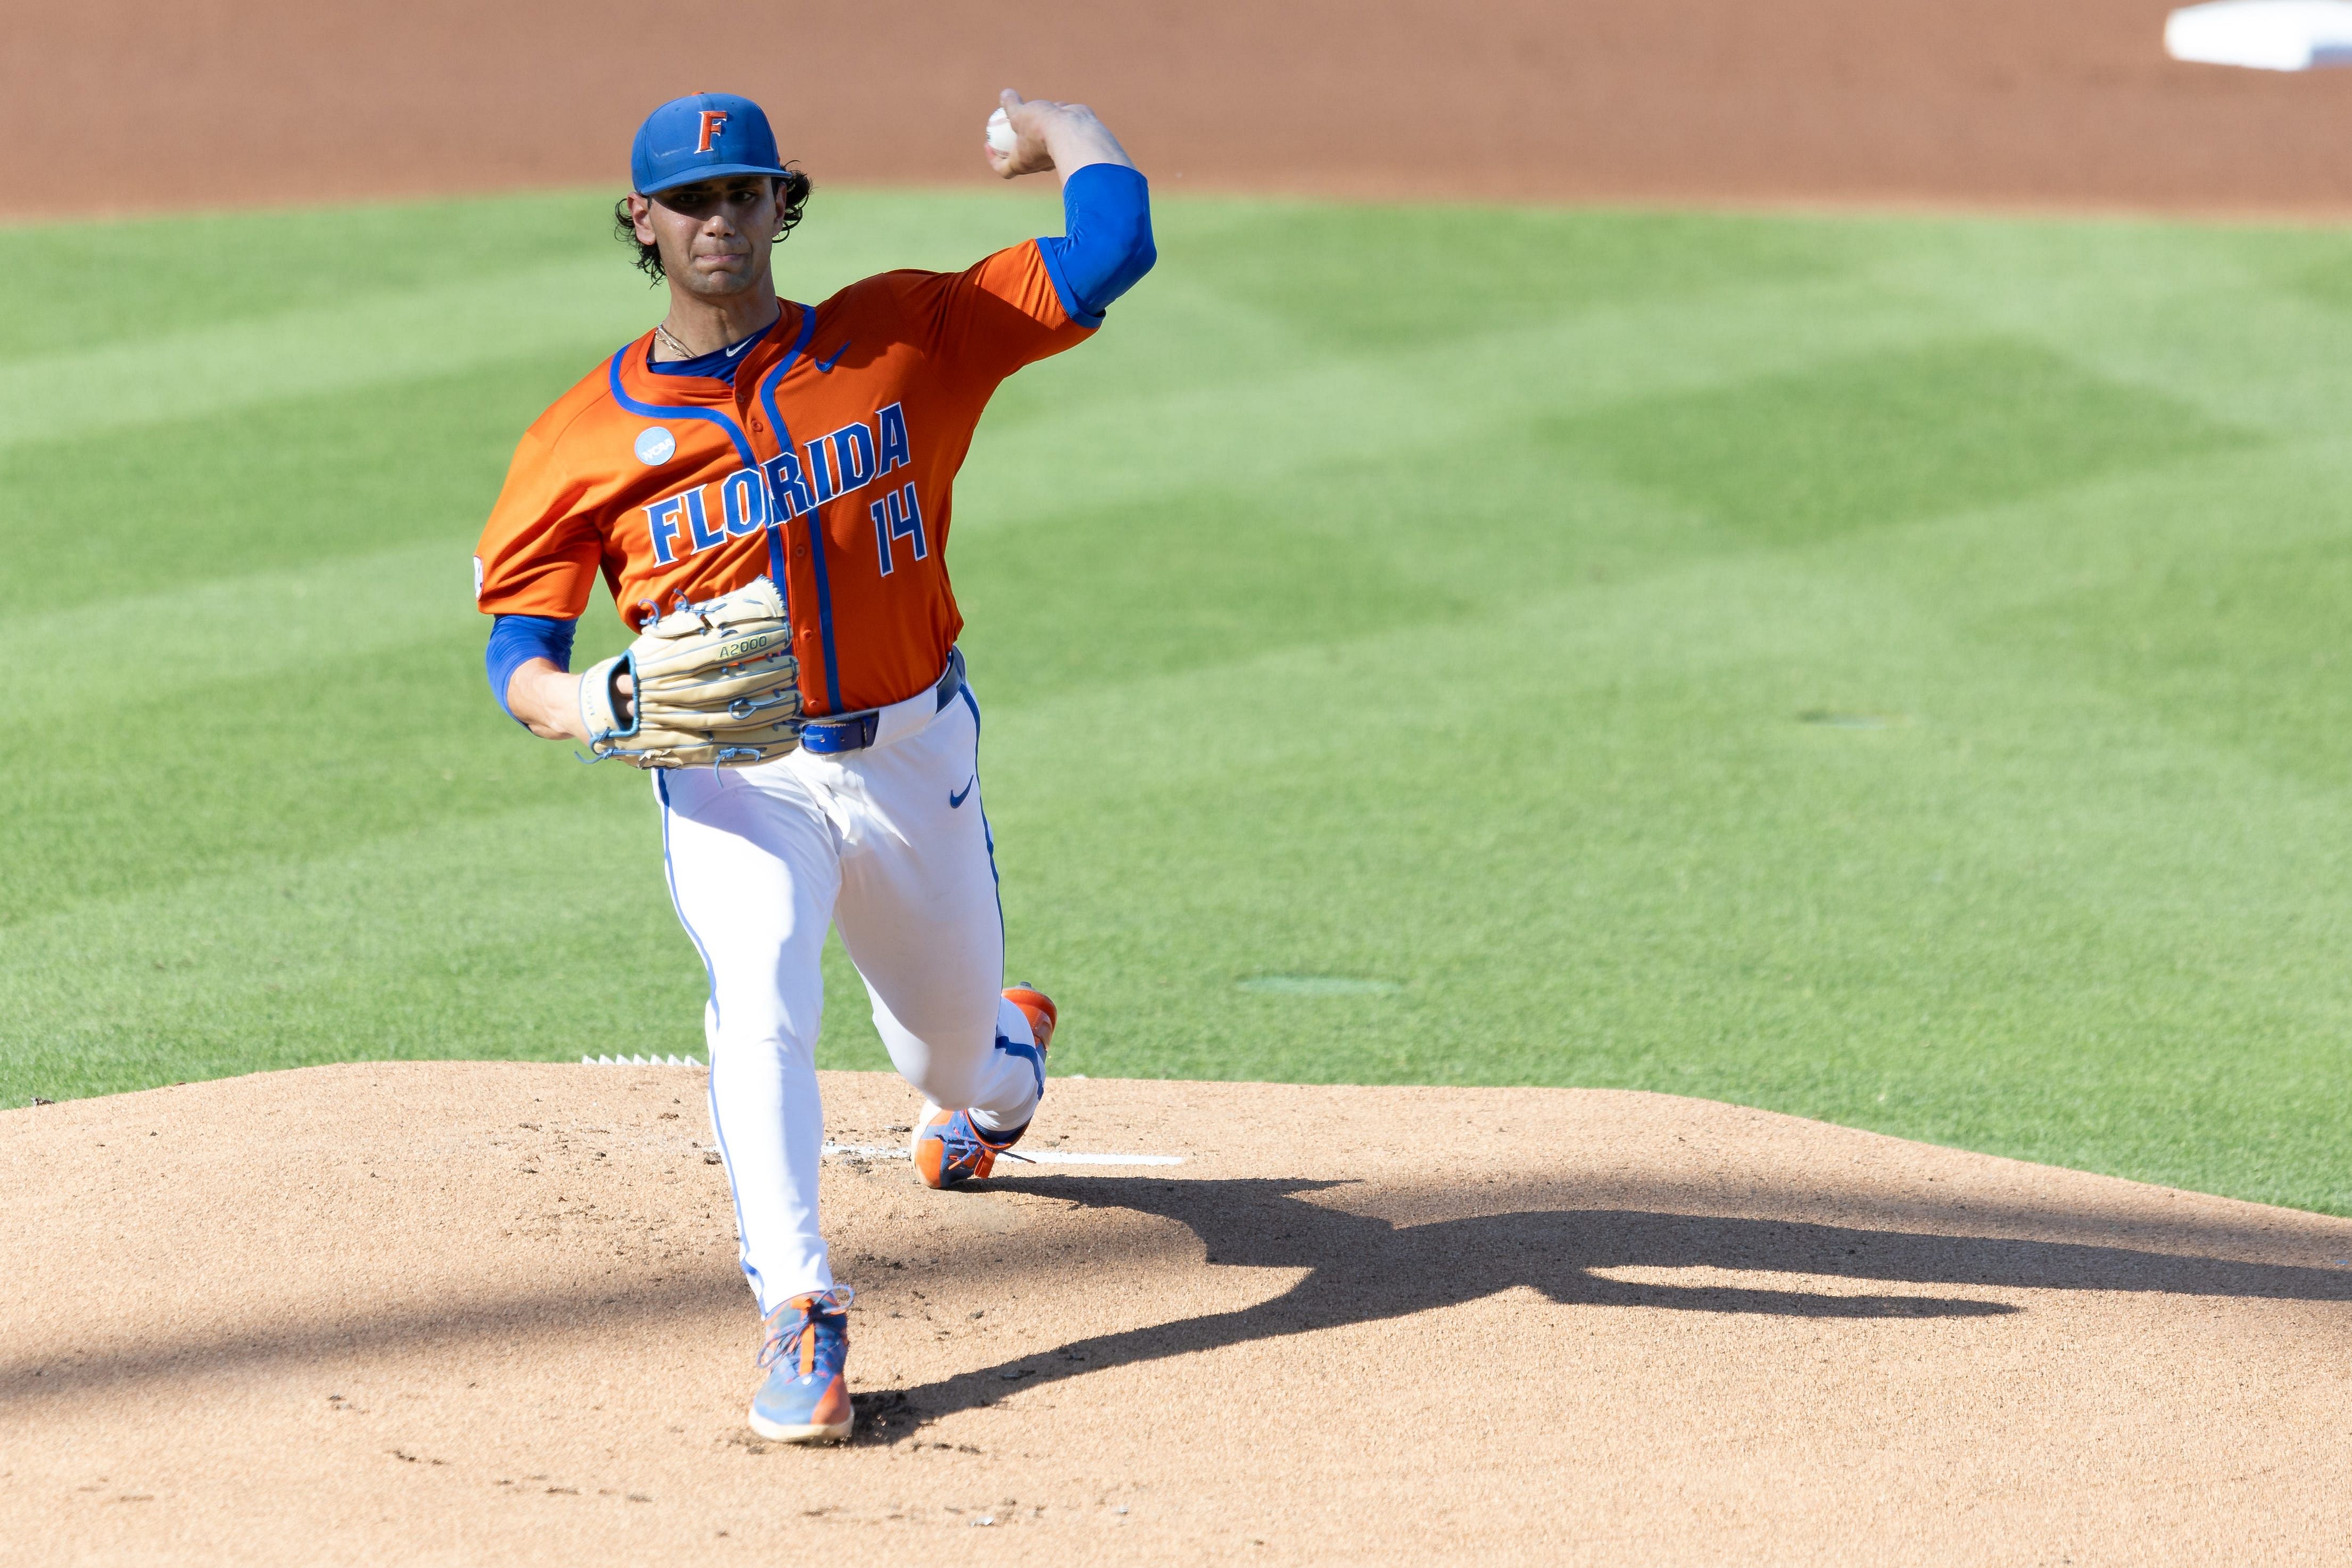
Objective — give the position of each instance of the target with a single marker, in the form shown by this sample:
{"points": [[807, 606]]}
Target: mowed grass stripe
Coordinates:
{"points": [[1362, 406], [2249, 326], [406, 336], [1394, 633], [1699, 892], [267, 488], [371, 951], [282, 715]]}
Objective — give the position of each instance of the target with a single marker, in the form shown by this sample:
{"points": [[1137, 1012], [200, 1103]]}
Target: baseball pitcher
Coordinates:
{"points": [[767, 487]]}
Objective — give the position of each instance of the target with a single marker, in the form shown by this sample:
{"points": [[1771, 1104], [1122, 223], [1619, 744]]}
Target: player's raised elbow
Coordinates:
{"points": [[1126, 216], [1138, 254], [1109, 245], [1135, 256]]}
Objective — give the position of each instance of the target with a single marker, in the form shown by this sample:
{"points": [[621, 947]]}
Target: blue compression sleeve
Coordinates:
{"points": [[1107, 210], [516, 639]]}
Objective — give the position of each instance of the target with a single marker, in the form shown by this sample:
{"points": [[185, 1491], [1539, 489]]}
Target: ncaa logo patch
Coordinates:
{"points": [[656, 447]]}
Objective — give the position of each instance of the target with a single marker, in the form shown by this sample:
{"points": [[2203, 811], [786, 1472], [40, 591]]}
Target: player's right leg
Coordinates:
{"points": [[754, 870]]}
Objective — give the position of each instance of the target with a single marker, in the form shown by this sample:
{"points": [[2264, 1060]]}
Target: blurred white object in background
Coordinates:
{"points": [[2265, 34]]}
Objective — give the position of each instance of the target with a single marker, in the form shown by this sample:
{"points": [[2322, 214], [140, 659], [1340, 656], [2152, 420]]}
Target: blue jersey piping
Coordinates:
{"points": [[784, 444], [815, 518], [681, 410], [744, 450]]}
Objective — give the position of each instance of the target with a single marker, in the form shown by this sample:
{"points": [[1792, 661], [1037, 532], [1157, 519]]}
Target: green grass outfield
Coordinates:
{"points": [[1893, 671]]}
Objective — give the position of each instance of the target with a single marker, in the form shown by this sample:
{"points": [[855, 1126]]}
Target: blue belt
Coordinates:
{"points": [[856, 731]]}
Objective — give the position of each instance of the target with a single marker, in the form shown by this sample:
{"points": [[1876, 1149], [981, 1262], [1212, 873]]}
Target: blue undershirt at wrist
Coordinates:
{"points": [[516, 641]]}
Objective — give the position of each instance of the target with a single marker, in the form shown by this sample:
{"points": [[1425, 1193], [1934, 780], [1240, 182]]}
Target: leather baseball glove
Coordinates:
{"points": [[715, 686]]}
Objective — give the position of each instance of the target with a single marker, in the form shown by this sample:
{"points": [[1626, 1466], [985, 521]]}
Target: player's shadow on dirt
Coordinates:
{"points": [[1363, 1268]]}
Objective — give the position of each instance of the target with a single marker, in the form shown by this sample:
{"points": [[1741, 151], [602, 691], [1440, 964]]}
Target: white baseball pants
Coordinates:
{"points": [[890, 845]]}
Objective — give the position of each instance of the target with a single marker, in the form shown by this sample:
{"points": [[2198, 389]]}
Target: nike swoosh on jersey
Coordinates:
{"points": [[961, 796], [829, 364], [739, 348]]}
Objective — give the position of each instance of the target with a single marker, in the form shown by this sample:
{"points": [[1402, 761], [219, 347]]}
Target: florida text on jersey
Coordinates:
{"points": [[824, 454]]}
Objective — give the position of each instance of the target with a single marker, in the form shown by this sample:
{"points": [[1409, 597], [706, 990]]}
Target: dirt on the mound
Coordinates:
{"points": [[470, 1313], [115, 104]]}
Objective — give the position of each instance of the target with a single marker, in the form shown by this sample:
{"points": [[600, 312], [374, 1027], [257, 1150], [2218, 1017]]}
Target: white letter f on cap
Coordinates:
{"points": [[713, 122]]}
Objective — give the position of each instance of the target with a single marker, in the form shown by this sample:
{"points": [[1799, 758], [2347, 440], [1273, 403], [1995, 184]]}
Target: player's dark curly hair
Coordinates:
{"points": [[796, 185]]}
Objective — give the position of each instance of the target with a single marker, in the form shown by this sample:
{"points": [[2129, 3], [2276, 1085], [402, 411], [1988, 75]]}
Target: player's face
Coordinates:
{"points": [[715, 234]]}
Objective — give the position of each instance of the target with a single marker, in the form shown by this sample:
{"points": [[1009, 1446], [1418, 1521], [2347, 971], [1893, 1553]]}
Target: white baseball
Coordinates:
{"points": [[1002, 137]]}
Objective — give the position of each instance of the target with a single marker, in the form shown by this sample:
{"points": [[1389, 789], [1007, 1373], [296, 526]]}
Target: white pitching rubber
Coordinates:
{"points": [[1042, 1157]]}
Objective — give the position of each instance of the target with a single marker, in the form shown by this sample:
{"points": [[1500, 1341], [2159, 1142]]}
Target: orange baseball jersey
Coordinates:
{"points": [[828, 463]]}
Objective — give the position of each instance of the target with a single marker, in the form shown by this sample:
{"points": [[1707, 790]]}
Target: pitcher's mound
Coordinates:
{"points": [[475, 1313]]}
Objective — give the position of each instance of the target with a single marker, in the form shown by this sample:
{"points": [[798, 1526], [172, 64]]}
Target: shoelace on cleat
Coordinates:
{"points": [[799, 1337], [967, 1142]]}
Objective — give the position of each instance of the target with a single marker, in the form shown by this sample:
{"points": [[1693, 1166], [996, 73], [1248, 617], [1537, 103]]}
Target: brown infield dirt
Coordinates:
{"points": [[128, 104], [446, 1314]]}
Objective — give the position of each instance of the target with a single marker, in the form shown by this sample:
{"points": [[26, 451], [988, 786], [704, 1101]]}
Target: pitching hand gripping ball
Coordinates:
{"points": [[1002, 137]]}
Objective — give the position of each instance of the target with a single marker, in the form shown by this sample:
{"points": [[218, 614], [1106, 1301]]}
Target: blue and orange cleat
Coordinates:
{"points": [[806, 1396], [1038, 1008], [949, 1147]]}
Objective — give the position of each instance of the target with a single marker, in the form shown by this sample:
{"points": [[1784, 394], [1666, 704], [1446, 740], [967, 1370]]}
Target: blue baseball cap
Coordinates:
{"points": [[702, 136]]}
